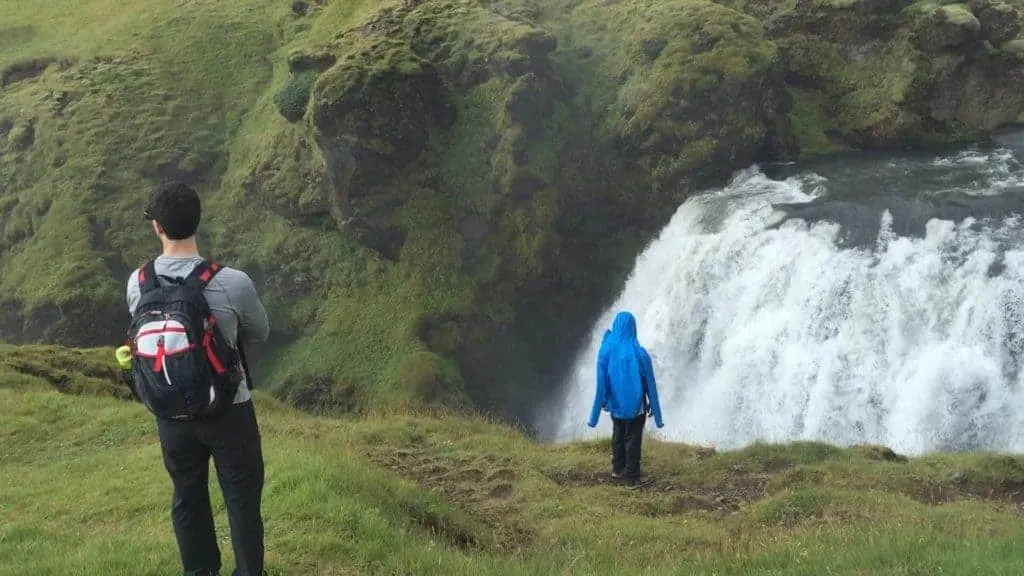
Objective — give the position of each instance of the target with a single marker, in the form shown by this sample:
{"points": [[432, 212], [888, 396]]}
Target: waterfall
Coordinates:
{"points": [[875, 302]]}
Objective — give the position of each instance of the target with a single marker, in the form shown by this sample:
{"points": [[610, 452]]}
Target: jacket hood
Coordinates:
{"points": [[624, 326]]}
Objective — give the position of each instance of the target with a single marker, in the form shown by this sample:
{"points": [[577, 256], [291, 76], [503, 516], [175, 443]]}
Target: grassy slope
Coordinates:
{"points": [[83, 491], [143, 88]]}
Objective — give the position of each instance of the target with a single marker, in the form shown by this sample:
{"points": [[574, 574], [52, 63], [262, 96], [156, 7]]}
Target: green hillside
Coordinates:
{"points": [[436, 197], [83, 492]]}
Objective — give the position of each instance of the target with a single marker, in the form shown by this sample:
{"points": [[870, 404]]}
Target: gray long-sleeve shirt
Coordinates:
{"points": [[231, 295]]}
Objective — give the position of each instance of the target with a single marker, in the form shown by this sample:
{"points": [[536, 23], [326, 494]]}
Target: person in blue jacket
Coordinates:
{"points": [[626, 388]]}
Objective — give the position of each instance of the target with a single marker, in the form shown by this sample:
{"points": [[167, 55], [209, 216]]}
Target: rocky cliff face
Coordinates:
{"points": [[896, 74], [436, 196]]}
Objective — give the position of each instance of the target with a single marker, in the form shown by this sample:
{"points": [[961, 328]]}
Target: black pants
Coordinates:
{"points": [[627, 436], [233, 440]]}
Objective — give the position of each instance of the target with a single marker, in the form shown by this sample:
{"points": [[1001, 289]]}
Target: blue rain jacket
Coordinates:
{"points": [[625, 375]]}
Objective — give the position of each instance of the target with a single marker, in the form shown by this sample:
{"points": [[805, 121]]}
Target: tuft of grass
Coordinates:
{"points": [[292, 98], [74, 371], [465, 496]]}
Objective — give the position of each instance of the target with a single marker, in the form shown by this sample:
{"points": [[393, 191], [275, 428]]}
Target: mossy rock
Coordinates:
{"points": [[1015, 46], [691, 82], [945, 27], [1000, 23], [320, 394], [979, 97], [373, 114], [431, 379], [318, 61], [21, 135], [291, 100], [375, 108]]}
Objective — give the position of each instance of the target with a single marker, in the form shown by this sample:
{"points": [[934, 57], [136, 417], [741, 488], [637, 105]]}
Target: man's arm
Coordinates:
{"points": [[253, 324], [652, 388], [601, 395], [132, 292]]}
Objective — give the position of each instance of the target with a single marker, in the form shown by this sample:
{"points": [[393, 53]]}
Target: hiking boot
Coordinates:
{"points": [[636, 482], [616, 475]]}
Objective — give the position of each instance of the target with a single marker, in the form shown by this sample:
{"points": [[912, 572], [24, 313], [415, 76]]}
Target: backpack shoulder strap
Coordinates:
{"points": [[147, 278], [203, 273]]}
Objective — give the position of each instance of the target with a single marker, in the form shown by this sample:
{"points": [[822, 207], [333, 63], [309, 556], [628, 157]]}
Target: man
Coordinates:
{"points": [[232, 438], [627, 389]]}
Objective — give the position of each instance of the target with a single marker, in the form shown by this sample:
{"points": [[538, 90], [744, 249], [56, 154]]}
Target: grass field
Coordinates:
{"points": [[83, 492]]}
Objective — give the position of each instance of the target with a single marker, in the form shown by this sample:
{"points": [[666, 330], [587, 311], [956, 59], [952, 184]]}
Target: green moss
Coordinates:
{"points": [[1014, 46], [843, 100], [961, 15], [292, 98], [810, 123], [922, 8], [464, 166], [430, 378], [801, 505], [665, 72], [380, 55], [879, 87]]}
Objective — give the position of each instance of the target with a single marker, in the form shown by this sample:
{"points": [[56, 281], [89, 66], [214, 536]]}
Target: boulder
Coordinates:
{"points": [[1000, 23], [947, 27]]}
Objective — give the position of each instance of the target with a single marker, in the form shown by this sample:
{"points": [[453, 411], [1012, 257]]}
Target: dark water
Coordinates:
{"points": [[983, 182]]}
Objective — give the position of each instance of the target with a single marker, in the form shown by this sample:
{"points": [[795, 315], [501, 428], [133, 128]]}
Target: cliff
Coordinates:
{"points": [[435, 197]]}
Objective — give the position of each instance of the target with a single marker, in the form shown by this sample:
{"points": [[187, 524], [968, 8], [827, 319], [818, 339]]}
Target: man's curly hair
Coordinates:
{"points": [[176, 207]]}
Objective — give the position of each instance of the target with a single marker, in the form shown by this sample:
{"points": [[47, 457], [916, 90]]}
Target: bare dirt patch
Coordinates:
{"points": [[1007, 491], [482, 487], [721, 499]]}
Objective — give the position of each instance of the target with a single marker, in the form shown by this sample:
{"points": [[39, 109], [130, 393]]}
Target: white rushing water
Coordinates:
{"points": [[781, 335]]}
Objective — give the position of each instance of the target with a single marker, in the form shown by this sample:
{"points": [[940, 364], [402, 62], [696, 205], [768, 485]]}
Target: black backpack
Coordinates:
{"points": [[182, 367]]}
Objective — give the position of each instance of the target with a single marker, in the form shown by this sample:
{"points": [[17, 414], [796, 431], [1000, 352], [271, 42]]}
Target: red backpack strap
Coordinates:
{"points": [[147, 278], [203, 273]]}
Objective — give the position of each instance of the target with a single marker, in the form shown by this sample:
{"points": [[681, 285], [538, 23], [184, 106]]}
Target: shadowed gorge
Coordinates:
{"points": [[437, 197]]}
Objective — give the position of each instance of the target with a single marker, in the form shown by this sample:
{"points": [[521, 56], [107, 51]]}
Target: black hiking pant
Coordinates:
{"points": [[627, 436], [233, 440]]}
